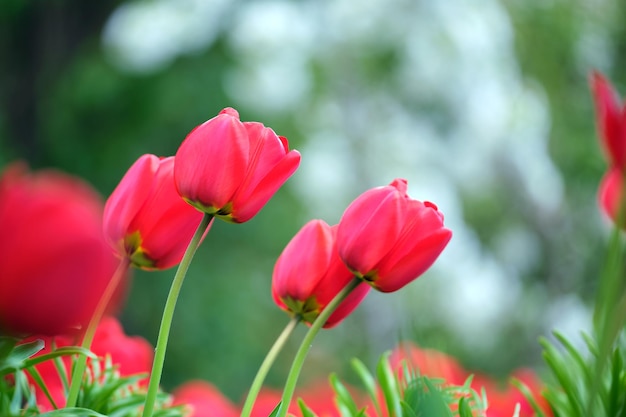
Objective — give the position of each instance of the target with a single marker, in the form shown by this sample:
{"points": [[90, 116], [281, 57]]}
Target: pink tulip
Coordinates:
{"points": [[389, 239], [231, 169], [309, 274], [145, 220]]}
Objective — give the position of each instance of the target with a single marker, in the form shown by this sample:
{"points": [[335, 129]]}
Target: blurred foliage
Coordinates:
{"points": [[65, 104]]}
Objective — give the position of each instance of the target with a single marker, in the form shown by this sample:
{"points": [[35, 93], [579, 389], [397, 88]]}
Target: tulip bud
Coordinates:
{"points": [[389, 239], [231, 169], [145, 220], [309, 274]]}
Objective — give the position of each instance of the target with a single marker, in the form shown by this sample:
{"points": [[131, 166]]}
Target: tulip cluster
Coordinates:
{"points": [[384, 238], [611, 122], [64, 257]]}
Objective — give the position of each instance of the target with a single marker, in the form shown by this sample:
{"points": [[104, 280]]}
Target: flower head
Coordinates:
{"points": [[309, 274], [145, 220], [230, 168], [389, 239]]}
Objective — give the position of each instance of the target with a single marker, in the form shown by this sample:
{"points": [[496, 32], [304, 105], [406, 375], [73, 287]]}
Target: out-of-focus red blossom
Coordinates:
{"points": [[429, 362], [502, 399], [610, 119], [54, 261], [309, 274], [145, 219], [389, 239], [131, 354], [266, 402], [230, 168], [611, 197], [204, 400], [319, 396]]}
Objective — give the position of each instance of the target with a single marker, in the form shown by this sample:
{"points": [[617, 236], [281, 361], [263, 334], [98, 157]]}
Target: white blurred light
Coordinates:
{"points": [[146, 36]]}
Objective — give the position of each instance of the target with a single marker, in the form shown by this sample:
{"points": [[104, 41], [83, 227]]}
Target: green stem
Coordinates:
{"points": [[298, 361], [81, 362], [168, 314], [267, 364]]}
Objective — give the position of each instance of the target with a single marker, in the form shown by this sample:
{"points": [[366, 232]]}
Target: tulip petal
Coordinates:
{"points": [[212, 160], [119, 210], [303, 262], [370, 227], [611, 120], [246, 208]]}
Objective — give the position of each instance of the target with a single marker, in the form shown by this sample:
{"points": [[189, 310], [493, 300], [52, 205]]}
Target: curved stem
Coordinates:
{"points": [[168, 314], [303, 350], [81, 362], [257, 383]]}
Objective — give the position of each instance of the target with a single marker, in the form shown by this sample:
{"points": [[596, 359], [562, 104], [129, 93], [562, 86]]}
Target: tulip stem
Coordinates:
{"points": [[168, 314], [303, 350], [257, 383], [81, 362]]}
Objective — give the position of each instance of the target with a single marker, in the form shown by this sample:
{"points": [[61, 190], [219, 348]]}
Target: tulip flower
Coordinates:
{"points": [[231, 169], [309, 274], [55, 263], [611, 120], [203, 399], [389, 239], [145, 220]]}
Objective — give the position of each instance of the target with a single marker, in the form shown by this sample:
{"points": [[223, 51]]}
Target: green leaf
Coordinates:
{"points": [[306, 411], [73, 412], [17, 357], [343, 395], [528, 395], [389, 386], [368, 381]]}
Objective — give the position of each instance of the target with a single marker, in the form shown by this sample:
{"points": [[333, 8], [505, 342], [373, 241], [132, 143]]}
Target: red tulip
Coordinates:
{"points": [[389, 239], [204, 400], [309, 274], [231, 169], [145, 220], [130, 354], [54, 261], [611, 120]]}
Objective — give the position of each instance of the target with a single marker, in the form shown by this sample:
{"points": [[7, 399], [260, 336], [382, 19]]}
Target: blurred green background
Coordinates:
{"points": [[483, 106]]}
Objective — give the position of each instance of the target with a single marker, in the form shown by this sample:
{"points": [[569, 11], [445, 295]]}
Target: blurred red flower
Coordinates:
{"points": [[131, 354], [309, 274], [54, 261], [502, 398], [204, 400], [611, 122], [389, 239], [610, 119], [266, 402], [145, 219], [231, 169]]}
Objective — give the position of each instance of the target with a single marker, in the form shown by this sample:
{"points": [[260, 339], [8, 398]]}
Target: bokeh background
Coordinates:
{"points": [[483, 106]]}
